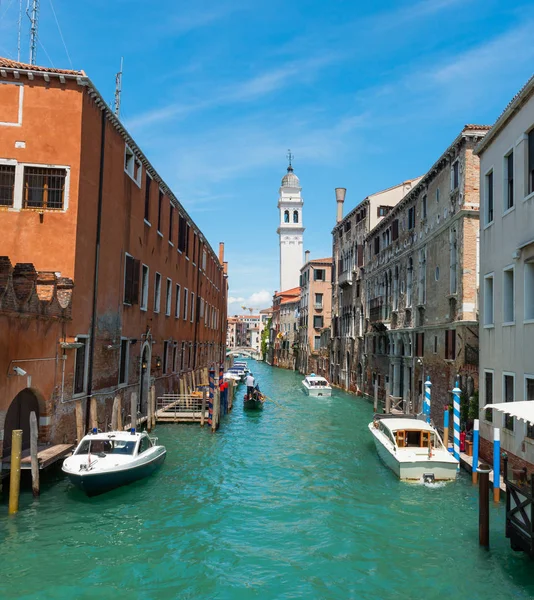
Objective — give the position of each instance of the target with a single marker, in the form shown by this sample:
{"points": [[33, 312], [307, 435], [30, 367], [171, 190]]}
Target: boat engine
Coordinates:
{"points": [[428, 478]]}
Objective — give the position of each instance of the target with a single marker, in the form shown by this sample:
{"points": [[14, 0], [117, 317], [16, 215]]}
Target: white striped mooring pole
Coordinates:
{"points": [[474, 469], [456, 419], [497, 464], [426, 405]]}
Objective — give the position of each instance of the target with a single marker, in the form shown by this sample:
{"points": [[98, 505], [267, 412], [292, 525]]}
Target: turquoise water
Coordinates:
{"points": [[288, 503]]}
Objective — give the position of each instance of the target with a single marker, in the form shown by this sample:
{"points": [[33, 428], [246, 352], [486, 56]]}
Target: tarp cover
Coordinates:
{"points": [[523, 410]]}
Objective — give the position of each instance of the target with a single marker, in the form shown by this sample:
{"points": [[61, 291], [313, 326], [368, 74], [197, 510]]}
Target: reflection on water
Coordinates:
{"points": [[288, 502]]}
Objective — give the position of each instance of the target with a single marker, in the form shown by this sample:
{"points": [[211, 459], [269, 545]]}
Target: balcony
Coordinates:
{"points": [[376, 309], [345, 279], [318, 306]]}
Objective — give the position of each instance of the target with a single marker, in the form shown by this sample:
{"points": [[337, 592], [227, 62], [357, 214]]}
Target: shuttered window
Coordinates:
{"points": [[450, 344], [395, 230], [420, 344], [131, 280]]}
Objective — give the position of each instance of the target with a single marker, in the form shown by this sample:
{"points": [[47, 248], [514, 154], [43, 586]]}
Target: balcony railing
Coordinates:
{"points": [[375, 309], [345, 278], [318, 306]]}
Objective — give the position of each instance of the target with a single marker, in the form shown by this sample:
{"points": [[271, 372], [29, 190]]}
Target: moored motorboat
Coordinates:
{"points": [[315, 385], [104, 461], [412, 449]]}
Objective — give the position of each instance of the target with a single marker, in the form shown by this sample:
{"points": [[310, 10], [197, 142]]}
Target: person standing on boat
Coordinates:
{"points": [[251, 382]]}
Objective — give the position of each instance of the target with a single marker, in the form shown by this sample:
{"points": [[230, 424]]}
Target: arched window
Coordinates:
{"points": [[286, 216], [295, 216]]}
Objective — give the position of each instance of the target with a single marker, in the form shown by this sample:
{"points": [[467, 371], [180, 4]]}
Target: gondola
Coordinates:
{"points": [[254, 403]]}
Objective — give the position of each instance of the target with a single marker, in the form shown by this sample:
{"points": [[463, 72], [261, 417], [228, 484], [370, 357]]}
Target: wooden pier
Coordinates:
{"points": [[182, 408], [46, 456]]}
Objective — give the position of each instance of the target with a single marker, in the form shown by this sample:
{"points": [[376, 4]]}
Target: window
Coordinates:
{"points": [[7, 185], [409, 276], [529, 291], [123, 365], [396, 289], [44, 188], [295, 216], [435, 344], [177, 302], [395, 230], [132, 165], [530, 183], [186, 294], [529, 395], [318, 300], [182, 358], [419, 344], [411, 217], [131, 280], [80, 366], [175, 357], [450, 344], [182, 233], [509, 181], [377, 244], [286, 216], [165, 356], [157, 292], [422, 276], [192, 307], [508, 296], [383, 210], [509, 394], [437, 195], [455, 174], [453, 258], [488, 384], [144, 288], [488, 300], [423, 207], [168, 298], [171, 221], [187, 232], [489, 198], [204, 259], [317, 322], [318, 274], [160, 206], [317, 342], [148, 183]]}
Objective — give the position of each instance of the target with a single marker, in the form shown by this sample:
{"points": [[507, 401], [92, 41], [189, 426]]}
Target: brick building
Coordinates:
{"points": [[315, 311], [78, 197], [348, 237], [421, 284]]}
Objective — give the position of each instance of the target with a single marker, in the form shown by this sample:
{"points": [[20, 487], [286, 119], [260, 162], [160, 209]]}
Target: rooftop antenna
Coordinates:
{"points": [[290, 157], [34, 22], [19, 30], [118, 90]]}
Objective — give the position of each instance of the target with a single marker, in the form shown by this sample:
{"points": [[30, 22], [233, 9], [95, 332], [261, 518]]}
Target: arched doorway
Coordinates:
{"points": [[18, 417], [144, 378]]}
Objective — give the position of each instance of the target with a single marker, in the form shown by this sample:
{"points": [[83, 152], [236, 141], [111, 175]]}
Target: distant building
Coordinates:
{"points": [[348, 239], [507, 275], [244, 331], [290, 230], [315, 310], [283, 348]]}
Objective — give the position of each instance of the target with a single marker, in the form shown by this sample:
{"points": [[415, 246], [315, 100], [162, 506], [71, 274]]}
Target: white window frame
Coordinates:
{"points": [[507, 269], [177, 301], [506, 210], [144, 289], [185, 307], [485, 216], [126, 364], [129, 168], [168, 297], [85, 369], [528, 273], [490, 324], [492, 371], [18, 123], [157, 291], [527, 377]]}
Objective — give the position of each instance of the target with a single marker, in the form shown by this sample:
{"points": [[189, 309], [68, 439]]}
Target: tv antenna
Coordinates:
{"points": [[33, 15], [118, 90]]}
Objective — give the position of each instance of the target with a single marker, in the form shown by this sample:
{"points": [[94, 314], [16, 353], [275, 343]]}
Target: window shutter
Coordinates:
{"points": [[128, 279], [395, 229], [136, 268], [360, 255], [453, 344]]}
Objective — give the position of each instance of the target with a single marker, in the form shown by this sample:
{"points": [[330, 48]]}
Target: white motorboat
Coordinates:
{"points": [[314, 385], [229, 376], [104, 461], [412, 449]]}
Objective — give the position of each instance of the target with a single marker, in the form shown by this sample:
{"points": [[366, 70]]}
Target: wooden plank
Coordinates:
{"points": [[34, 458]]}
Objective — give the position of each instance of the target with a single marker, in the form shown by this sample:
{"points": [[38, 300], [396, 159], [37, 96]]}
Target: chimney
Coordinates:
{"points": [[340, 198], [221, 252], [306, 256], [225, 268]]}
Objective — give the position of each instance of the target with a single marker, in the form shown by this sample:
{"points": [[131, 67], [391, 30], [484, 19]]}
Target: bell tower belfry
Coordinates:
{"points": [[290, 230]]}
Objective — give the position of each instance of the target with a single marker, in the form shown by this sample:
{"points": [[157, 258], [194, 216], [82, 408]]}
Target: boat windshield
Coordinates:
{"points": [[107, 447]]}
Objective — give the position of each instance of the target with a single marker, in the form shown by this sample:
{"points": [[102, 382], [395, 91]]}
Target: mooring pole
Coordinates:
{"points": [[483, 510], [203, 409], [426, 405], [375, 404], [474, 470], [456, 422], [496, 464], [34, 436], [211, 420], [14, 475], [446, 427]]}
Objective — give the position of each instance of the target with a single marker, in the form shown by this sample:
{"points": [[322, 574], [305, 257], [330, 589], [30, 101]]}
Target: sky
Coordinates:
{"points": [[365, 94]]}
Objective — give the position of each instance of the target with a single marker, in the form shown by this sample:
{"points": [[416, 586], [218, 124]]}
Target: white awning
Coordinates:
{"points": [[523, 410]]}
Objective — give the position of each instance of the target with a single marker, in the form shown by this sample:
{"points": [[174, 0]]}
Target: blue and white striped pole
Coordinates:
{"points": [[496, 464], [446, 427], [474, 470], [456, 421], [426, 405]]}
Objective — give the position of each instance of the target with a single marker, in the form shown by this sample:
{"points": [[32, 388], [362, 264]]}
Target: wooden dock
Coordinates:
{"points": [[46, 456], [181, 408]]}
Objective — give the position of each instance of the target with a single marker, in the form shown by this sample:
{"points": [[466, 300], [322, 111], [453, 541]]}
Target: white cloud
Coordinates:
{"points": [[260, 299]]}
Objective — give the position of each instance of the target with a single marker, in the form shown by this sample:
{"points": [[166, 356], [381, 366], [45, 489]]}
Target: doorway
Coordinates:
{"points": [[18, 417], [144, 379]]}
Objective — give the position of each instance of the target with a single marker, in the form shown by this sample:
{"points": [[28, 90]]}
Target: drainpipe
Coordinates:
{"points": [[95, 275]]}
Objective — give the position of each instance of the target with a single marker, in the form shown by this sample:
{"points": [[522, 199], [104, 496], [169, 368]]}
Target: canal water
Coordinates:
{"points": [[288, 503]]}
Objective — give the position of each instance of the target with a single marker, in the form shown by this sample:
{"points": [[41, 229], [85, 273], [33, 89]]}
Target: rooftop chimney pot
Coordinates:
{"points": [[340, 198]]}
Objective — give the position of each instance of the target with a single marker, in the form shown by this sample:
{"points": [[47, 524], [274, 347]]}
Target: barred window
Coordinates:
{"points": [[7, 184], [44, 188]]}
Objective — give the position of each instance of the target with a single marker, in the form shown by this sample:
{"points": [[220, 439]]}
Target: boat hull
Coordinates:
{"points": [[94, 484], [252, 404], [317, 392]]}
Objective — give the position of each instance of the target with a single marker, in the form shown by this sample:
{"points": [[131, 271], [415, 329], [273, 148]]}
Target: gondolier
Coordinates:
{"points": [[251, 383]]}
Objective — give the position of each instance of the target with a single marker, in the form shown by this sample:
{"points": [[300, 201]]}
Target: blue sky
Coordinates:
{"points": [[366, 94]]}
